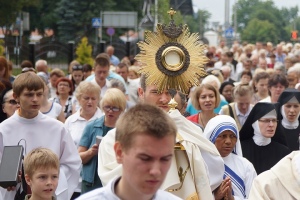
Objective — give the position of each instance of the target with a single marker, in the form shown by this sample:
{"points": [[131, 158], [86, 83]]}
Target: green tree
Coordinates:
{"points": [[290, 14], [43, 16], [244, 10], [75, 17], [282, 19], [200, 19], [67, 15], [1, 47], [9, 10], [163, 16], [84, 52], [259, 30]]}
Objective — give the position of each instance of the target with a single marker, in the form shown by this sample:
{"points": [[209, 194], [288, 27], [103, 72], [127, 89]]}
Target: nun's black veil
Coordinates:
{"points": [[285, 96], [259, 110]]}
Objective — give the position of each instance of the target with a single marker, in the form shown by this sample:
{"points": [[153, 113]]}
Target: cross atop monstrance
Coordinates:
{"points": [[172, 12]]}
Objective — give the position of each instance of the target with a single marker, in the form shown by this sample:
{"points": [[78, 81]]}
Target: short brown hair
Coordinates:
{"points": [[278, 78], [28, 81], [197, 92], [40, 158], [258, 76], [246, 72], [102, 60], [143, 82], [26, 63], [144, 119]]}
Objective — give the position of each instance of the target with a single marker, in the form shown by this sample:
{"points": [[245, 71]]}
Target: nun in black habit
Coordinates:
{"points": [[256, 134], [288, 128]]}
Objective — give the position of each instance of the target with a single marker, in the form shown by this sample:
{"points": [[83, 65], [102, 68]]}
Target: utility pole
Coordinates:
{"points": [[235, 19], [227, 8], [200, 25], [156, 15]]}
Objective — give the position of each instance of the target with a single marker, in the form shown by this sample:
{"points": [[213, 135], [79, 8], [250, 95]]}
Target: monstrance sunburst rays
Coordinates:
{"points": [[155, 63]]}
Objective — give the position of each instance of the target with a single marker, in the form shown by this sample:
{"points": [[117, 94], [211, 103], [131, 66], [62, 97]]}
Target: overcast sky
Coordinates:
{"points": [[217, 10]]}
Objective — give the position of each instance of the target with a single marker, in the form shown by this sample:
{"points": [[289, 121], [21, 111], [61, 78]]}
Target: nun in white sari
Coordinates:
{"points": [[239, 172]]}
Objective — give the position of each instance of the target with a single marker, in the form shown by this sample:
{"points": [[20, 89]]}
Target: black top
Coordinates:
{"points": [[287, 95], [291, 137], [263, 157], [287, 137]]}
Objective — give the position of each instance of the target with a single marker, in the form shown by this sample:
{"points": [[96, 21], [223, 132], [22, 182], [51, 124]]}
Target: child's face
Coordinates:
{"points": [[43, 183], [132, 75]]}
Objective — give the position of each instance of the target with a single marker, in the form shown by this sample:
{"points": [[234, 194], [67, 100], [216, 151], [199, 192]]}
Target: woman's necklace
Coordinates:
{"points": [[202, 120]]}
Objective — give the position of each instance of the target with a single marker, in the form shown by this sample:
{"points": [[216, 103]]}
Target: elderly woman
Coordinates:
{"points": [[88, 96], [256, 134], [205, 98], [288, 129], [112, 104], [9, 104], [239, 172], [64, 91]]}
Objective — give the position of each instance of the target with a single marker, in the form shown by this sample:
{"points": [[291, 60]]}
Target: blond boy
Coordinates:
{"points": [[41, 168]]}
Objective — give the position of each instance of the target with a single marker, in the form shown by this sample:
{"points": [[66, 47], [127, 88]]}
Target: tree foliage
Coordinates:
{"points": [[84, 52], [260, 30], [262, 12], [198, 22], [1, 47], [163, 16], [43, 16], [9, 10]]}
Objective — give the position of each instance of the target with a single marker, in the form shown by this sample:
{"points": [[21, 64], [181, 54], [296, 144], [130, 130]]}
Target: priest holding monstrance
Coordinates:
{"points": [[173, 58]]}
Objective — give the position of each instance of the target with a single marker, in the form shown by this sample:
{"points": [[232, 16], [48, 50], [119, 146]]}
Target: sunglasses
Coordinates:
{"points": [[77, 67], [28, 69], [213, 72], [108, 108], [12, 102]]}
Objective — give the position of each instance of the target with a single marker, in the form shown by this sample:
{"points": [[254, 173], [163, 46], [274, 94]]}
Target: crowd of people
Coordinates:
{"points": [[237, 129]]}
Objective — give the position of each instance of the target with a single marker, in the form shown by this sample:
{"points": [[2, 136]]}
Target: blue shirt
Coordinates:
{"points": [[88, 139], [114, 60]]}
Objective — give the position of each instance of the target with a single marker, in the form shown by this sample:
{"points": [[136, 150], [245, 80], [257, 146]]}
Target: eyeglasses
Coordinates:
{"points": [[108, 108], [27, 69], [12, 102], [77, 67], [267, 121], [214, 72], [63, 85]]}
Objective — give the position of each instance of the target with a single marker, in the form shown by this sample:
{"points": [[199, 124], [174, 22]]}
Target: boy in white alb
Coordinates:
{"points": [[31, 129], [145, 139]]}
